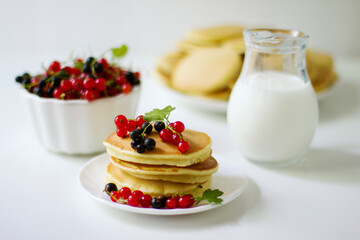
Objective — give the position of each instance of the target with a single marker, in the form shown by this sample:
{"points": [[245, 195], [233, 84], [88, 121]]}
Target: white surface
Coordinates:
{"points": [[39, 195], [76, 126], [230, 179]]}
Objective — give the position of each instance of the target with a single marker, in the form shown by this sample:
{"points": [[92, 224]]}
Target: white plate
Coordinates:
{"points": [[230, 179]]}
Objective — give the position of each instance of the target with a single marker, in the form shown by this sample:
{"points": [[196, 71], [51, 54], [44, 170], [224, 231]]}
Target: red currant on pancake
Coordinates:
{"points": [[175, 139], [166, 135], [183, 146], [120, 121], [178, 126], [139, 121], [121, 132], [131, 125]]}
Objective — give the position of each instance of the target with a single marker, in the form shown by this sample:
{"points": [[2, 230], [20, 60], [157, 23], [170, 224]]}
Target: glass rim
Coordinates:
{"points": [[272, 37]]}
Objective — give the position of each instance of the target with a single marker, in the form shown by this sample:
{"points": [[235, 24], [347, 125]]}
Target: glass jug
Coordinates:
{"points": [[273, 111]]}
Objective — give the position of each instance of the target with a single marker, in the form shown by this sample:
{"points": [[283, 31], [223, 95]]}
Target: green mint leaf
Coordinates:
{"points": [[79, 65], [120, 51], [158, 114], [211, 196]]}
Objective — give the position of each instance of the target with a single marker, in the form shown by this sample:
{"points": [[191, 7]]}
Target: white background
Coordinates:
{"points": [[39, 194]]}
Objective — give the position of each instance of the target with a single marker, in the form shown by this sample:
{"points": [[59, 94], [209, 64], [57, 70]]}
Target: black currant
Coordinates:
{"points": [[135, 134], [159, 126], [49, 92], [140, 148], [149, 143], [147, 127], [87, 68], [55, 81], [26, 80], [42, 83], [130, 77], [98, 67], [19, 79], [110, 187], [158, 202], [38, 91], [26, 75], [90, 60]]}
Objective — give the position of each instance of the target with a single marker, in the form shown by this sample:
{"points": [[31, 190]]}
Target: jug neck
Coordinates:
{"points": [[275, 50]]}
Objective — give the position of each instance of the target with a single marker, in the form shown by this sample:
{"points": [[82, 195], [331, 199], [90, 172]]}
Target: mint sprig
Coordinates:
{"points": [[159, 114], [120, 51], [212, 196]]}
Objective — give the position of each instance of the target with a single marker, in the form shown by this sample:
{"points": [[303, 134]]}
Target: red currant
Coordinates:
{"points": [[145, 201], [134, 198], [55, 66], [137, 74], [183, 146], [166, 135], [139, 121], [103, 62], [137, 193], [115, 196], [57, 93], [121, 132], [175, 139], [100, 84], [120, 80], [177, 126], [186, 201], [120, 121], [89, 83], [112, 91], [125, 192], [126, 88], [131, 125], [91, 95], [65, 85], [75, 71], [68, 70], [77, 84], [172, 202]]}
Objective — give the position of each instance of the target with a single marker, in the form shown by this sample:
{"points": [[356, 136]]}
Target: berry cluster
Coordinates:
{"points": [[90, 80], [138, 199], [138, 129]]}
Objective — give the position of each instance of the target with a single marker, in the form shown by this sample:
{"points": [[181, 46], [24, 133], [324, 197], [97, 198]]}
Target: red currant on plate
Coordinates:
{"points": [[145, 201], [124, 192], [115, 196], [172, 202], [186, 201], [65, 85], [55, 66], [126, 88], [89, 83]]}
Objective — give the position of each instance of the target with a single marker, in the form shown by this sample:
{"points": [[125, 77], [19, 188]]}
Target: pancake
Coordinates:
{"points": [[207, 70], [151, 187], [214, 34], [164, 153], [174, 178], [209, 166]]}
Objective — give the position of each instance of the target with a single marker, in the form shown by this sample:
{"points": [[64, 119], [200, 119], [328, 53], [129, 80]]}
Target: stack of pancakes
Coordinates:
{"points": [[208, 62], [164, 170]]}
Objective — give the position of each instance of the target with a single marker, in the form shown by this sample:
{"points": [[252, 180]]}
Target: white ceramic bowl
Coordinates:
{"points": [[77, 126]]}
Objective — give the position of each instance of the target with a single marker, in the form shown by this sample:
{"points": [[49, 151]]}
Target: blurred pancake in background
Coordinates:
{"points": [[208, 62]]}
